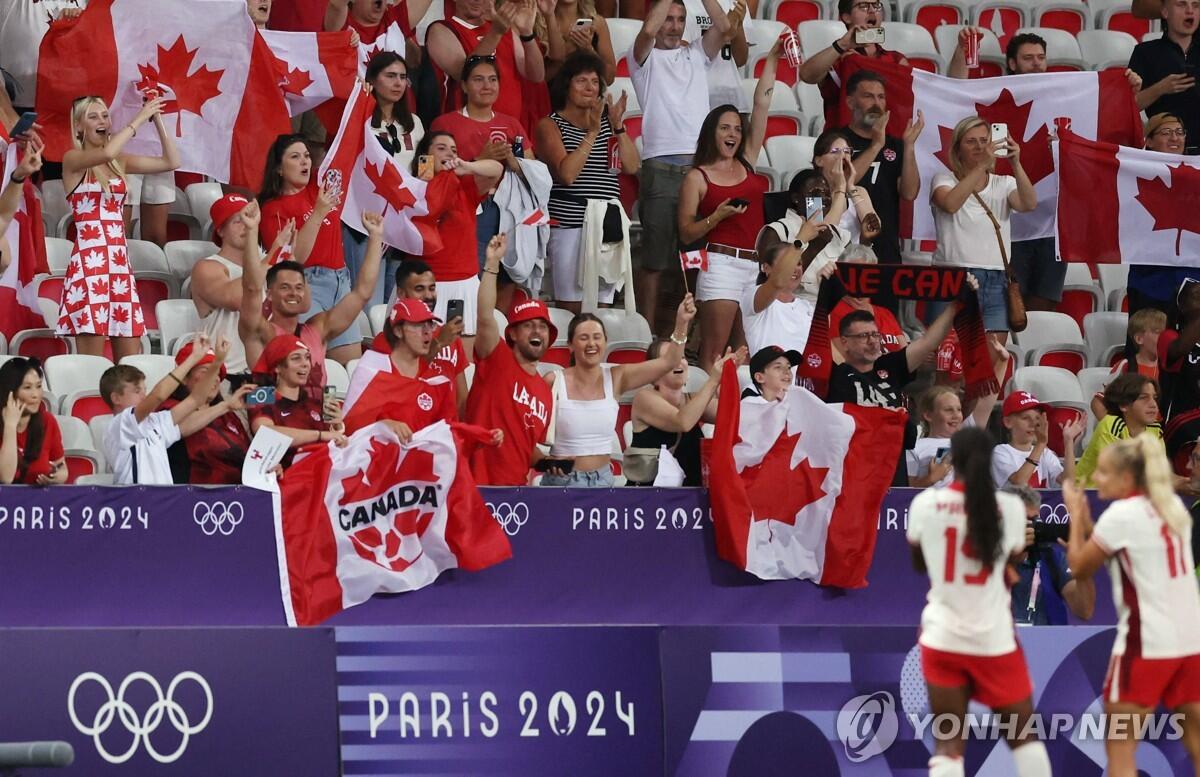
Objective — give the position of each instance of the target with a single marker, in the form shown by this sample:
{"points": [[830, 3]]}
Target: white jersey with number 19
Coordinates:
{"points": [[968, 610], [1154, 586]]}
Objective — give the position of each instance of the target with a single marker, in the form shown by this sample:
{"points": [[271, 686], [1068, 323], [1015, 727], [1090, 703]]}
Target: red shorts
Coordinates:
{"points": [[1147, 681], [996, 681]]}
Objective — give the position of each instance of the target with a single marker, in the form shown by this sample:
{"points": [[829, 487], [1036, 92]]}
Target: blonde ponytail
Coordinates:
{"points": [[1159, 483]]}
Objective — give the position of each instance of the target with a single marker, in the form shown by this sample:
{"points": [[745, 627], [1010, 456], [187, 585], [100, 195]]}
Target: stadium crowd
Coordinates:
{"points": [[647, 142]]}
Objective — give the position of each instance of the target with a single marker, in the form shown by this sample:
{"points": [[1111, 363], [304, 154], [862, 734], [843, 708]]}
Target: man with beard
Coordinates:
{"points": [[289, 297], [1169, 66], [508, 392], [885, 166]]}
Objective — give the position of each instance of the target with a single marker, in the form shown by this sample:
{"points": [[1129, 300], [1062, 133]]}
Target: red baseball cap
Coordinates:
{"points": [[208, 358], [1020, 401], [223, 210], [531, 310], [411, 311], [280, 347]]}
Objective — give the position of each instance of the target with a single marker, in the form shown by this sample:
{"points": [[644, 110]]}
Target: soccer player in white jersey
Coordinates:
{"points": [[1145, 536], [965, 535]]}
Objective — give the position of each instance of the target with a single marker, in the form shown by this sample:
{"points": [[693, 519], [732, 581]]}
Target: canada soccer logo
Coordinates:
{"points": [[889, 155], [424, 401], [814, 360]]}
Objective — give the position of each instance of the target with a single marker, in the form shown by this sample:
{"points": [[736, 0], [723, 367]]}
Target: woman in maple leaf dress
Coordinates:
{"points": [[100, 295]]}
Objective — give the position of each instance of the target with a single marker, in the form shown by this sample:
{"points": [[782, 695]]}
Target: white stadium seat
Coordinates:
{"points": [[201, 197], [98, 426], [75, 373], [1113, 278], [377, 315], [1049, 384], [818, 34], [177, 319], [790, 154], [913, 41], [1050, 333], [54, 206], [618, 325], [337, 376], [1105, 48], [622, 32], [75, 433], [561, 319], [145, 256], [182, 255], [99, 479], [1102, 331], [58, 255], [1093, 380], [154, 366], [1061, 47]]}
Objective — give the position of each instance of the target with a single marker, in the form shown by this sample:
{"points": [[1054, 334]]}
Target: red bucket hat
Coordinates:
{"points": [[531, 310]]}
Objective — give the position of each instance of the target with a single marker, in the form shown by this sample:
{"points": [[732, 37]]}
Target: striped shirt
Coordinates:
{"points": [[596, 181]]}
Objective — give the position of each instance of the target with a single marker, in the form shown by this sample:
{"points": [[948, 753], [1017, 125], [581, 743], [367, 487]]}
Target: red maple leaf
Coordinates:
{"points": [[777, 490], [1036, 157], [390, 186], [120, 314], [118, 256], [1173, 206], [292, 81], [192, 90], [385, 470], [99, 287], [90, 232], [111, 205], [371, 52]]}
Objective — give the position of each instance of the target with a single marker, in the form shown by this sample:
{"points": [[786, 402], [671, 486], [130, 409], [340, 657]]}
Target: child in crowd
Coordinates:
{"points": [[1026, 460], [1132, 404], [1144, 328], [137, 439]]}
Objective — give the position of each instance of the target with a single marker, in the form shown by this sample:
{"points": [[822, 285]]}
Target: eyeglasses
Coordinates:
{"points": [[868, 6], [846, 150], [865, 336], [1172, 133]]}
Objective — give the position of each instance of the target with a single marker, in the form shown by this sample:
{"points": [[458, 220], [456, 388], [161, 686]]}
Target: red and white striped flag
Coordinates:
{"points": [[313, 67], [1120, 204], [795, 486], [27, 241], [379, 516], [225, 109], [694, 260], [370, 180]]}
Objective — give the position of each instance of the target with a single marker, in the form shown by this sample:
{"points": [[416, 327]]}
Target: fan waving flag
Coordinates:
{"points": [[224, 107], [27, 244], [694, 260], [1120, 204], [796, 486], [371, 181], [313, 67], [379, 516]]}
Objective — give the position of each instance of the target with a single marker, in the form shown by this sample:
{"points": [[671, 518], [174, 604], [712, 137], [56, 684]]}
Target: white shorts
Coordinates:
{"points": [[726, 278], [563, 255], [468, 291], [151, 188]]}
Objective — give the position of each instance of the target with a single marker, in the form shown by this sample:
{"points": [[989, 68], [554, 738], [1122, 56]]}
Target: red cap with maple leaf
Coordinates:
{"points": [[223, 210], [208, 358]]}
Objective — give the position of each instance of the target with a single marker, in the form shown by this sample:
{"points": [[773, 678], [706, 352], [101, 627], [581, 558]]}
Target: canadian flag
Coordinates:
{"points": [[1121, 204], [27, 241], [392, 40], [694, 260], [538, 218], [313, 67], [796, 485], [1028, 104], [379, 516], [224, 109], [370, 180]]}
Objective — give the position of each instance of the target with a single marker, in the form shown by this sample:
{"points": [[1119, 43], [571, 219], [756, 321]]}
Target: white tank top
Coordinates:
{"points": [[584, 427], [224, 323]]}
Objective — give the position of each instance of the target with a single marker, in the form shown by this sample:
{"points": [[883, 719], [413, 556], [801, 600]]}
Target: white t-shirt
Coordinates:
{"points": [[785, 324], [968, 609], [724, 76], [672, 88], [222, 322], [1006, 460], [23, 24], [1153, 580], [967, 238], [137, 452], [925, 452], [788, 227]]}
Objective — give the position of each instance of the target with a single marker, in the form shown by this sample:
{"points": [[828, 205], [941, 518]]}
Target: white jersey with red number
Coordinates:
{"points": [[1154, 587], [968, 609]]}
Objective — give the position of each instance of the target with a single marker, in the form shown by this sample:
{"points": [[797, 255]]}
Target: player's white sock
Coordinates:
{"points": [[946, 766], [1032, 760]]}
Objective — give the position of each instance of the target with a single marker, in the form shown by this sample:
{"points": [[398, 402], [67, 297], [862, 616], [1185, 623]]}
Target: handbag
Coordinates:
{"points": [[1017, 320], [640, 465]]}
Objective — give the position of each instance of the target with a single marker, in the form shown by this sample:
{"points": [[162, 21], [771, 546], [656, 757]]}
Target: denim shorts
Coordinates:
{"points": [[993, 299], [597, 478], [328, 287]]}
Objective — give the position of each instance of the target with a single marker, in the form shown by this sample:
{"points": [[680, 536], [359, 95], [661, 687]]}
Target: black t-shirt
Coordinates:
{"points": [[1154, 60], [882, 386], [882, 182]]}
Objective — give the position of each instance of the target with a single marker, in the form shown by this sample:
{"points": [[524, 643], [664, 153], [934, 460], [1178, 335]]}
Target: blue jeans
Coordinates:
{"points": [[993, 300], [328, 287], [597, 478], [356, 251]]}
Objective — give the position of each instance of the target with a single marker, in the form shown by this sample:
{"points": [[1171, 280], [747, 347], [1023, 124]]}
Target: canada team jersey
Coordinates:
{"points": [[451, 361], [327, 247], [378, 391], [1153, 583], [509, 398], [968, 610]]}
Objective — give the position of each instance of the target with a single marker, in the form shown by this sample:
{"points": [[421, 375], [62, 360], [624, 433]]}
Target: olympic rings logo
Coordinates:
{"points": [[218, 517], [141, 727], [511, 517]]}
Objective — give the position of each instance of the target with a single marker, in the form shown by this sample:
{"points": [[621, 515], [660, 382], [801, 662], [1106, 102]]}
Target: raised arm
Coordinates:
{"points": [[204, 389], [336, 14], [78, 159], [165, 387], [254, 280], [14, 187], [818, 65], [722, 29], [447, 51], [951, 198], [910, 175], [1024, 198], [1084, 555], [958, 62], [342, 316], [918, 350], [306, 238], [206, 414], [763, 91], [169, 160], [8, 443], [653, 22], [487, 332], [652, 409], [627, 377], [530, 61]]}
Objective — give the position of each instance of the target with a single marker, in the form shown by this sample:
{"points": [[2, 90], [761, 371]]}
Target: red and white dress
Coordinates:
{"points": [[967, 633], [1156, 655], [99, 296]]}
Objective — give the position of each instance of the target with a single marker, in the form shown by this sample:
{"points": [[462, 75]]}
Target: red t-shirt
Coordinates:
{"points": [[327, 248], [511, 100], [889, 327], [52, 450], [452, 204], [298, 16], [506, 397], [471, 136], [398, 14], [217, 451]]}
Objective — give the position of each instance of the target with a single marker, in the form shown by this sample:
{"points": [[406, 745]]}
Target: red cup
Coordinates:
{"points": [[791, 48], [971, 50]]}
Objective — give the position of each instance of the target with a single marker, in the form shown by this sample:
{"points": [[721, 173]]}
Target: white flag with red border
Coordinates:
{"points": [[1121, 204], [796, 485], [370, 180], [313, 66], [694, 260], [379, 516], [26, 241]]}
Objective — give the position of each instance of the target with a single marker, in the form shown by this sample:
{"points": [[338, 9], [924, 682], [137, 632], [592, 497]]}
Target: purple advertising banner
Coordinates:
{"points": [[199, 702], [75, 556], [500, 701], [756, 701]]}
